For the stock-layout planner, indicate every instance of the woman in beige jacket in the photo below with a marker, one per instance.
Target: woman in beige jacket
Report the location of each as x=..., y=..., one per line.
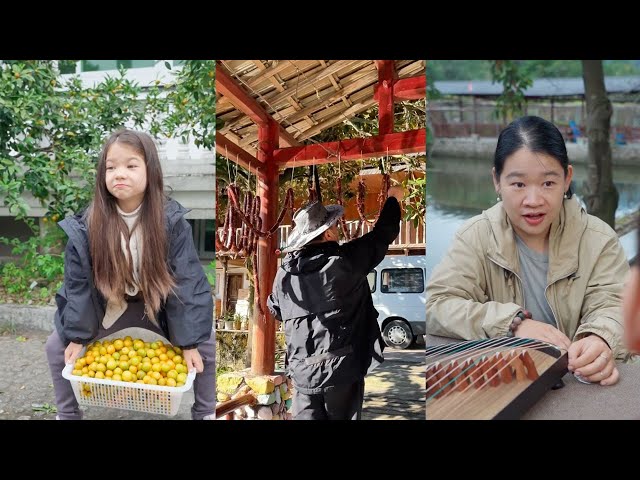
x=536, y=249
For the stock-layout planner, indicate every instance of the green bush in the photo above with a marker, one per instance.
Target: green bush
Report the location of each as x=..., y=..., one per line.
x=231, y=350
x=51, y=132
x=38, y=271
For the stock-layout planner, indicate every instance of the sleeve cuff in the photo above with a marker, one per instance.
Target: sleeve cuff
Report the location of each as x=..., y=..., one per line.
x=613, y=342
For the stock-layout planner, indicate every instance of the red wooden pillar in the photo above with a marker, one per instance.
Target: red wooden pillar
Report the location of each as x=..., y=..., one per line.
x=263, y=347
x=384, y=95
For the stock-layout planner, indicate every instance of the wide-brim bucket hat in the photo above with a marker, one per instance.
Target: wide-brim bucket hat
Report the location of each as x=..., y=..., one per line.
x=310, y=222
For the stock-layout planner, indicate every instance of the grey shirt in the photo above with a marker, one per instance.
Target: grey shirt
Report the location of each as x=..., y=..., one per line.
x=533, y=268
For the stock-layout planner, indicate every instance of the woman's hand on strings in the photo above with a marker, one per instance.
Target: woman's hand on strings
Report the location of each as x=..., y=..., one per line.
x=193, y=359
x=591, y=358
x=530, y=328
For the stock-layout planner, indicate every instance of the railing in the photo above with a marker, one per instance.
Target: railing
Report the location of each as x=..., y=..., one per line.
x=409, y=237
x=225, y=408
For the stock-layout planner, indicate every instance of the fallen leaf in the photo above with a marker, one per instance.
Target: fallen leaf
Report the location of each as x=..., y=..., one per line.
x=44, y=408
x=21, y=338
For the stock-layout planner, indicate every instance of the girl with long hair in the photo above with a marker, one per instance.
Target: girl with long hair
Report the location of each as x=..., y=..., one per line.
x=130, y=261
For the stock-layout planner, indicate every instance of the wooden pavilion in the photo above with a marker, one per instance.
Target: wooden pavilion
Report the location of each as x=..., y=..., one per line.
x=272, y=108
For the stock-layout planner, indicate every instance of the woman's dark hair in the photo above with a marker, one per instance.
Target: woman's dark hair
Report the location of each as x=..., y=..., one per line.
x=537, y=135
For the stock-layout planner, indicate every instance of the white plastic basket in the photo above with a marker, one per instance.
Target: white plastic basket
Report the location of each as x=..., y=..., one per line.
x=126, y=395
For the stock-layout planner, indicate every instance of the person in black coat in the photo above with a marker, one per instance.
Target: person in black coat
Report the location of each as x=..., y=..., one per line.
x=322, y=295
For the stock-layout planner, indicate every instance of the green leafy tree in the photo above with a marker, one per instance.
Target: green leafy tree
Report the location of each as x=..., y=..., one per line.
x=550, y=68
x=573, y=68
x=621, y=67
x=190, y=108
x=438, y=70
x=51, y=132
x=514, y=82
x=458, y=70
x=52, y=128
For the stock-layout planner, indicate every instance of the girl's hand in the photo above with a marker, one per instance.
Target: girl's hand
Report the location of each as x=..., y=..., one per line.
x=530, y=328
x=72, y=352
x=193, y=359
x=591, y=358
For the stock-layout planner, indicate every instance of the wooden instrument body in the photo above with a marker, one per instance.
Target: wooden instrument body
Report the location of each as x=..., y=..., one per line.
x=485, y=395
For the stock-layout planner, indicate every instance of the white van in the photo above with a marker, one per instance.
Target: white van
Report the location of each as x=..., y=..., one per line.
x=398, y=287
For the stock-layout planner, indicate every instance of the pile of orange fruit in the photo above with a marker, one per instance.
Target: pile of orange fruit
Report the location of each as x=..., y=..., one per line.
x=135, y=361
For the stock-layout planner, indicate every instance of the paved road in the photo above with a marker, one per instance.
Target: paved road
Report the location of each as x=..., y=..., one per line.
x=25, y=381
x=395, y=390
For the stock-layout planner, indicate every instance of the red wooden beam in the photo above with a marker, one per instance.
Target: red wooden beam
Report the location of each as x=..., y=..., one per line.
x=410, y=88
x=228, y=87
x=384, y=95
x=234, y=152
x=412, y=141
x=263, y=340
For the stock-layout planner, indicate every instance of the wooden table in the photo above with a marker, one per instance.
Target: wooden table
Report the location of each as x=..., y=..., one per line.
x=579, y=401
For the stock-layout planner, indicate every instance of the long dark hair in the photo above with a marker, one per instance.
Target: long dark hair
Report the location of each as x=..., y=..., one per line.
x=111, y=271
x=536, y=134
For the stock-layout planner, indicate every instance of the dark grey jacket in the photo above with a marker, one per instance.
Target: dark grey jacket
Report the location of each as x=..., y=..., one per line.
x=322, y=295
x=186, y=317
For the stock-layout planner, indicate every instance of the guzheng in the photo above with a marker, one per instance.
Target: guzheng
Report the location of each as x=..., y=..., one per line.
x=497, y=378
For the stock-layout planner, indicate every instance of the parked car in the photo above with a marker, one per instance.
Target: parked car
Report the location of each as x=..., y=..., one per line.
x=398, y=286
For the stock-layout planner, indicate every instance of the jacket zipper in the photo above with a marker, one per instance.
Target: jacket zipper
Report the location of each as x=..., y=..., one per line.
x=516, y=275
x=549, y=303
x=555, y=319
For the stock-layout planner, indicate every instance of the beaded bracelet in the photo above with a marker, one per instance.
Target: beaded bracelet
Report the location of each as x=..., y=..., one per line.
x=521, y=316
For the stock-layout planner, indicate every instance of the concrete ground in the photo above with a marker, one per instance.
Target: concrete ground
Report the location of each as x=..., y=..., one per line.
x=394, y=391
x=26, y=392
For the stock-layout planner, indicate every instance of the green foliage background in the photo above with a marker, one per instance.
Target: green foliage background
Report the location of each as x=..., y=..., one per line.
x=52, y=128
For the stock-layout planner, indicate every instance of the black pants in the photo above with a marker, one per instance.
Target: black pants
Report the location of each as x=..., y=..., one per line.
x=339, y=402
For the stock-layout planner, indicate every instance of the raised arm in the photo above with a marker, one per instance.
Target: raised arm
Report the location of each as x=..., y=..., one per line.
x=369, y=250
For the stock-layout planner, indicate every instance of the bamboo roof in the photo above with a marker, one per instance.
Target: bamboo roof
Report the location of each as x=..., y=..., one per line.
x=305, y=96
